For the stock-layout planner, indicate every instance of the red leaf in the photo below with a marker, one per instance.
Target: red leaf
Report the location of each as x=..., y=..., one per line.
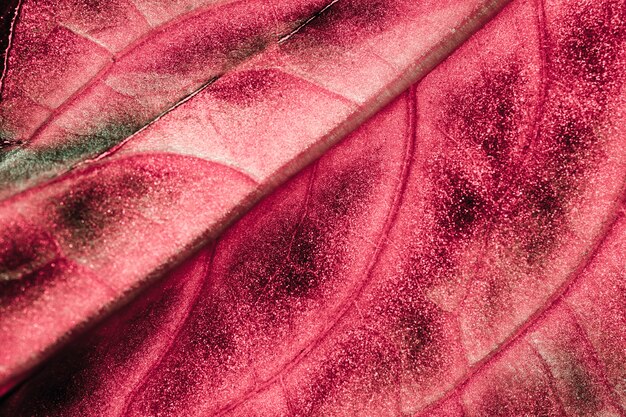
x=459, y=254
x=135, y=131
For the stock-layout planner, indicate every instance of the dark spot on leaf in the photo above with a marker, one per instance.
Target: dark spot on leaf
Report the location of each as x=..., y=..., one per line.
x=293, y=267
x=591, y=47
x=416, y=326
x=94, y=7
x=573, y=135
x=221, y=50
x=291, y=259
x=358, y=13
x=348, y=188
x=459, y=206
x=539, y=219
x=488, y=113
x=582, y=391
x=81, y=213
x=84, y=214
x=546, y=204
x=574, y=148
x=299, y=276
x=213, y=340
x=421, y=330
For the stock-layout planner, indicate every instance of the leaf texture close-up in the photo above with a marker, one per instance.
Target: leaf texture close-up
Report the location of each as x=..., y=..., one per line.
x=313, y=208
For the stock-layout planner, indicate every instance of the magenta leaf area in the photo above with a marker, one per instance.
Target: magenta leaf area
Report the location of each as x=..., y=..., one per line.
x=353, y=208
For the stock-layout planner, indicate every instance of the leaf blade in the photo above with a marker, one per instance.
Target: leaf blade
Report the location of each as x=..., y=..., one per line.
x=402, y=343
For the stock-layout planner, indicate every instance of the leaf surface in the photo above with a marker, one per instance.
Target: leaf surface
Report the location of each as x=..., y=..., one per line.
x=133, y=132
x=457, y=255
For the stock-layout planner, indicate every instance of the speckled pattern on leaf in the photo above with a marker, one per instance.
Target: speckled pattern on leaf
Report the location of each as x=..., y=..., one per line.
x=459, y=253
